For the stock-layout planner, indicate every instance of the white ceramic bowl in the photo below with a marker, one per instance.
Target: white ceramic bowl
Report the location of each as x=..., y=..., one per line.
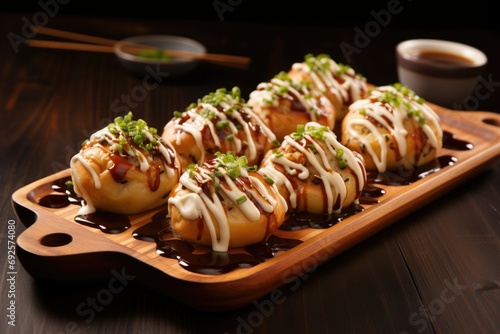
x=171, y=68
x=442, y=72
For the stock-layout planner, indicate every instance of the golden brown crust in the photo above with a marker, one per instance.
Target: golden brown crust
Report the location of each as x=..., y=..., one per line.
x=214, y=126
x=136, y=193
x=185, y=145
x=308, y=182
x=335, y=100
x=387, y=138
x=419, y=150
x=339, y=83
x=243, y=231
x=223, y=205
x=282, y=113
x=124, y=168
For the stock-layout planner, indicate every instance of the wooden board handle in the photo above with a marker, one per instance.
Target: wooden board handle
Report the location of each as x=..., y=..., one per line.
x=54, y=236
x=486, y=117
x=480, y=119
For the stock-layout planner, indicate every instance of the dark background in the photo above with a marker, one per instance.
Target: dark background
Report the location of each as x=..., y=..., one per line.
x=346, y=13
x=474, y=23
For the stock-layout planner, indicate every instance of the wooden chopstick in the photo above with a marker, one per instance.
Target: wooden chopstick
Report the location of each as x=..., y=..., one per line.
x=107, y=45
x=69, y=46
x=129, y=49
x=74, y=36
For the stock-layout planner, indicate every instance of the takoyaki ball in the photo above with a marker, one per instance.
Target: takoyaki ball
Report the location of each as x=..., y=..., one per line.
x=225, y=204
x=393, y=129
x=124, y=168
x=283, y=104
x=218, y=122
x=314, y=172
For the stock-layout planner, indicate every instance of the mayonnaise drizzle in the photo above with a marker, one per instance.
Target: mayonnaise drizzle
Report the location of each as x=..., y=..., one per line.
x=194, y=203
x=322, y=161
x=323, y=74
x=267, y=94
x=107, y=140
x=89, y=206
x=391, y=118
x=197, y=122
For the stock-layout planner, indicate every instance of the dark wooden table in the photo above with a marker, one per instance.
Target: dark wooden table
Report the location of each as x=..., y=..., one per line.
x=435, y=271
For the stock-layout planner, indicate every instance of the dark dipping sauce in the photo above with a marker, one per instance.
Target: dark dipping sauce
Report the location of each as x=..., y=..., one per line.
x=203, y=260
x=443, y=58
x=440, y=63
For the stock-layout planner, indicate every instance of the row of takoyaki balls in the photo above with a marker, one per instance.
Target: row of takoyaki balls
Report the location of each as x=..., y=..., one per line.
x=230, y=170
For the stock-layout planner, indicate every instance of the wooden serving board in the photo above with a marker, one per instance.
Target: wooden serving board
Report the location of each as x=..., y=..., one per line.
x=55, y=247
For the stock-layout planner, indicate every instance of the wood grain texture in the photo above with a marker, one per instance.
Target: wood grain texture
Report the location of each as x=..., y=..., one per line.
x=224, y=292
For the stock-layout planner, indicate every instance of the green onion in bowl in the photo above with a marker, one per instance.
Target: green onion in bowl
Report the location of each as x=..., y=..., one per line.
x=157, y=54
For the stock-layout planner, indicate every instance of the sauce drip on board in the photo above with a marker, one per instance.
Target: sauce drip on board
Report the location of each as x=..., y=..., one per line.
x=214, y=263
x=210, y=262
x=59, y=200
x=409, y=176
x=452, y=143
x=203, y=260
x=107, y=222
x=301, y=220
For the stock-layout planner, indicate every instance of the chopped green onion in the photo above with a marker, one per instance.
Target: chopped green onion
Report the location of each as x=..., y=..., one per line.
x=191, y=168
x=241, y=199
x=312, y=147
x=221, y=124
x=277, y=155
x=157, y=54
x=339, y=153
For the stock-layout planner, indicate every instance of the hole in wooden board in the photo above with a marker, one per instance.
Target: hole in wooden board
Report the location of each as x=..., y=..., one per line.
x=491, y=121
x=56, y=239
